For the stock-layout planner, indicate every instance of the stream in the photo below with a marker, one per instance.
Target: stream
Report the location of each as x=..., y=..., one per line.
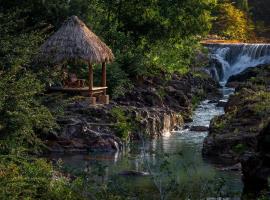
x=182, y=149
x=174, y=161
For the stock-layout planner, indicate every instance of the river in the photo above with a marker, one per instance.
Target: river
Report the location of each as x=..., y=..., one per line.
x=175, y=163
x=176, y=156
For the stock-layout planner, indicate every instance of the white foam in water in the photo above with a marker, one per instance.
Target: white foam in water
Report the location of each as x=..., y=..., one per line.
x=235, y=58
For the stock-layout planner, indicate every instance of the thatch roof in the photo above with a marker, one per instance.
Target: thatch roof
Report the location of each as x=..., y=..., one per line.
x=73, y=41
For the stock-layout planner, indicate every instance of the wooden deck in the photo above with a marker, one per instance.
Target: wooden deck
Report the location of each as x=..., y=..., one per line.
x=77, y=90
x=97, y=94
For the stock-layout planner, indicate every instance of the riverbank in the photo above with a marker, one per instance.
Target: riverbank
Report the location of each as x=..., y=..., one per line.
x=241, y=134
x=174, y=160
x=154, y=107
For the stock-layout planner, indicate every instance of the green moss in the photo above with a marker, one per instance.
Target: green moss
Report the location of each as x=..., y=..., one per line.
x=200, y=75
x=239, y=148
x=261, y=105
x=219, y=124
x=161, y=92
x=195, y=101
x=224, y=121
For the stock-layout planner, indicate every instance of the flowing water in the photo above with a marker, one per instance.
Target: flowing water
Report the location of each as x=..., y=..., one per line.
x=182, y=149
x=231, y=59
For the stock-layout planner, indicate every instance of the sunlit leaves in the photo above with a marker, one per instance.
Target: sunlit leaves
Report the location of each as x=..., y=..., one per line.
x=231, y=22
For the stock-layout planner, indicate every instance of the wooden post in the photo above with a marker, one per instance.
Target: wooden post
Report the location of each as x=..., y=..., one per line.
x=90, y=80
x=103, y=80
x=104, y=98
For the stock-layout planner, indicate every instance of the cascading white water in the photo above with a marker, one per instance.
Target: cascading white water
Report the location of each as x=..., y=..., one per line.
x=231, y=59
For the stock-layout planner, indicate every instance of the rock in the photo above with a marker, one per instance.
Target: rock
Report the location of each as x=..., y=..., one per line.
x=186, y=127
x=171, y=89
x=232, y=84
x=221, y=103
x=255, y=174
x=216, y=69
x=243, y=76
x=155, y=105
x=213, y=101
x=188, y=119
x=259, y=72
x=243, y=132
x=133, y=173
x=236, y=167
x=199, y=128
x=256, y=165
x=177, y=128
x=105, y=144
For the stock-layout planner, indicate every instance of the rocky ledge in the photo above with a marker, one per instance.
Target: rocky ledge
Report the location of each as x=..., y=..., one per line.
x=242, y=134
x=155, y=106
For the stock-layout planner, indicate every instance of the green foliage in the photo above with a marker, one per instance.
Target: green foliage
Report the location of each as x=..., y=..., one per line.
x=171, y=55
x=261, y=103
x=17, y=45
x=219, y=123
x=147, y=37
x=240, y=148
x=195, y=101
x=231, y=22
x=117, y=80
x=141, y=34
x=22, y=118
x=123, y=125
x=243, y=5
x=23, y=178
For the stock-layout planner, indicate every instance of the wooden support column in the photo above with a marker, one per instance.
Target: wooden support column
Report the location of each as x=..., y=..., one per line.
x=104, y=98
x=103, y=80
x=90, y=79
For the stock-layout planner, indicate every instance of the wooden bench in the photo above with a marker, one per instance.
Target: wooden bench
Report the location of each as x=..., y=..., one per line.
x=79, y=83
x=73, y=82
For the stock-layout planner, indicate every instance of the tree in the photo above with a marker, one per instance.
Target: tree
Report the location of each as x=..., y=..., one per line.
x=230, y=22
x=23, y=119
x=243, y=5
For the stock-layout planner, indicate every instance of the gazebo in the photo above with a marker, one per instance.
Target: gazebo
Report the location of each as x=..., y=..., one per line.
x=75, y=41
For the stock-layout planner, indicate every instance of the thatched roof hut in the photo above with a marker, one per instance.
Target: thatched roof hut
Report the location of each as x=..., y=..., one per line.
x=73, y=41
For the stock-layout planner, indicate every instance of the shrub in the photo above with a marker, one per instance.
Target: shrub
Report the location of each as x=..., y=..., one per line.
x=24, y=178
x=22, y=118
x=123, y=125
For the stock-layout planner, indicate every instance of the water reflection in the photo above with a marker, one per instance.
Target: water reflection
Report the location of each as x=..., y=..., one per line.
x=184, y=148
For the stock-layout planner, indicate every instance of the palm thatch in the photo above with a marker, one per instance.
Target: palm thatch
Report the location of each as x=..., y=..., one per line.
x=74, y=40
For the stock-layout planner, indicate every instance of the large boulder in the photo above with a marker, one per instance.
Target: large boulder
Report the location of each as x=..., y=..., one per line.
x=242, y=133
x=256, y=165
x=256, y=75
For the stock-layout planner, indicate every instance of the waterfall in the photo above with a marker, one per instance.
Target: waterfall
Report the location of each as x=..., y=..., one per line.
x=231, y=59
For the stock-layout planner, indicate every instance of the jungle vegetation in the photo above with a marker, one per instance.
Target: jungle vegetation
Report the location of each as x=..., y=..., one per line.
x=147, y=37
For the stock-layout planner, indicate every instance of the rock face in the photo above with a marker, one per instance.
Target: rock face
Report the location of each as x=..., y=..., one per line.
x=242, y=133
x=256, y=166
x=154, y=107
x=257, y=75
x=199, y=128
